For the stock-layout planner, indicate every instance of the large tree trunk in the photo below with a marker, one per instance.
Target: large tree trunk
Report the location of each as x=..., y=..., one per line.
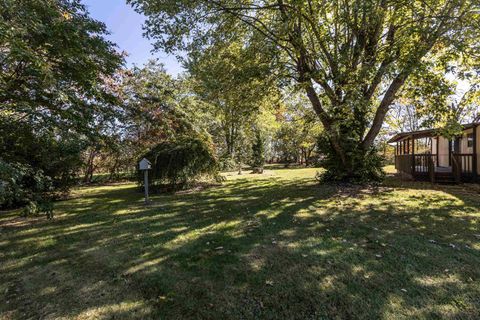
x=347, y=158
x=327, y=122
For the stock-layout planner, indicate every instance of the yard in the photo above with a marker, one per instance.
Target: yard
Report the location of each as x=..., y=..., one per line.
x=274, y=246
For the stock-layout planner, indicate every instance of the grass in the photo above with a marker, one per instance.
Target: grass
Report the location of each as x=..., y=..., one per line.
x=271, y=246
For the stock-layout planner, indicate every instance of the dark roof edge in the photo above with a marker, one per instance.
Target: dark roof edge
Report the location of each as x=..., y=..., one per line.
x=426, y=132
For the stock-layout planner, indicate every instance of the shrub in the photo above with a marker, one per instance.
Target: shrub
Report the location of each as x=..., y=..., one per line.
x=35, y=165
x=227, y=163
x=365, y=166
x=20, y=184
x=180, y=162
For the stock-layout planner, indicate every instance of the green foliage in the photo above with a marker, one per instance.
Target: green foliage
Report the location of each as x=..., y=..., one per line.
x=35, y=165
x=53, y=63
x=258, y=152
x=363, y=167
x=54, y=93
x=226, y=163
x=236, y=85
x=180, y=162
x=154, y=107
x=20, y=184
x=43, y=206
x=296, y=138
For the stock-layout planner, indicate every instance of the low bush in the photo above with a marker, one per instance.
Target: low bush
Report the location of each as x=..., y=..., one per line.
x=35, y=166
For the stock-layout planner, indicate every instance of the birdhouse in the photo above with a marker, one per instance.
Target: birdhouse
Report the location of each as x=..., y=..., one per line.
x=145, y=164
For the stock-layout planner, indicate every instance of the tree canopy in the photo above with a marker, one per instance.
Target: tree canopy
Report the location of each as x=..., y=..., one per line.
x=54, y=93
x=351, y=58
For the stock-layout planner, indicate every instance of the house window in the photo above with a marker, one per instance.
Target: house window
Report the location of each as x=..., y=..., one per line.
x=470, y=140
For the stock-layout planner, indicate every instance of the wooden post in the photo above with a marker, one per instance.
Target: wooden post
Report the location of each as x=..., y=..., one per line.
x=475, y=155
x=145, y=165
x=431, y=168
x=438, y=149
x=145, y=183
x=413, y=155
x=457, y=168
x=450, y=152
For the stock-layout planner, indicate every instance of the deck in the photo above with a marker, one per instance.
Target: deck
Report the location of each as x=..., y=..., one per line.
x=423, y=167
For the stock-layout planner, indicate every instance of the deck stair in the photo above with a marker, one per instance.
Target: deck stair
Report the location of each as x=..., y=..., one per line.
x=444, y=178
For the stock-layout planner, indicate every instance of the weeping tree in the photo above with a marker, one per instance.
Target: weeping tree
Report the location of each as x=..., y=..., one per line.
x=350, y=58
x=176, y=163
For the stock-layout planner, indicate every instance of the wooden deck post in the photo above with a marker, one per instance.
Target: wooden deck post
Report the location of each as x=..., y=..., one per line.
x=475, y=154
x=431, y=168
x=413, y=156
x=450, y=152
x=457, y=167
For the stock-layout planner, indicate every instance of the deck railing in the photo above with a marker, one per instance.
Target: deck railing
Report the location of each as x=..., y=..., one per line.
x=415, y=163
x=425, y=165
x=462, y=165
x=403, y=163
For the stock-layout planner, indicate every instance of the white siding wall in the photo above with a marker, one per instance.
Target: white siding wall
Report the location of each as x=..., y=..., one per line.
x=478, y=148
x=443, y=152
x=464, y=142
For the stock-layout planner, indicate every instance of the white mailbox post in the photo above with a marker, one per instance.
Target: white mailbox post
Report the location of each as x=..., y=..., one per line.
x=144, y=166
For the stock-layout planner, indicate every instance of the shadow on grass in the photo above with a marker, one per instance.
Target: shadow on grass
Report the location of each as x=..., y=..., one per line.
x=251, y=249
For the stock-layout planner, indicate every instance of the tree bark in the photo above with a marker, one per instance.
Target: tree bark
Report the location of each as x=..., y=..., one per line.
x=382, y=110
x=326, y=121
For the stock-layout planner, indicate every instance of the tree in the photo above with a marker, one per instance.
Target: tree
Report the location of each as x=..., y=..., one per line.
x=258, y=152
x=154, y=107
x=54, y=61
x=296, y=139
x=351, y=58
x=180, y=161
x=234, y=82
x=36, y=166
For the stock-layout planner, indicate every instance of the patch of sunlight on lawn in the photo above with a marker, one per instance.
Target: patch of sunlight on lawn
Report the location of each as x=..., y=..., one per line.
x=137, y=308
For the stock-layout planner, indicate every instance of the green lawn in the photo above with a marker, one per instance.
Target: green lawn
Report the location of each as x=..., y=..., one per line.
x=276, y=246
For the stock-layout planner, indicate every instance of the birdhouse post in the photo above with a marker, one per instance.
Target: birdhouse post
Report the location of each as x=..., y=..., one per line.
x=144, y=166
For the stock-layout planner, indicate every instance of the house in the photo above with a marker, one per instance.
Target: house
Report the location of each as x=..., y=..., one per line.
x=426, y=155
